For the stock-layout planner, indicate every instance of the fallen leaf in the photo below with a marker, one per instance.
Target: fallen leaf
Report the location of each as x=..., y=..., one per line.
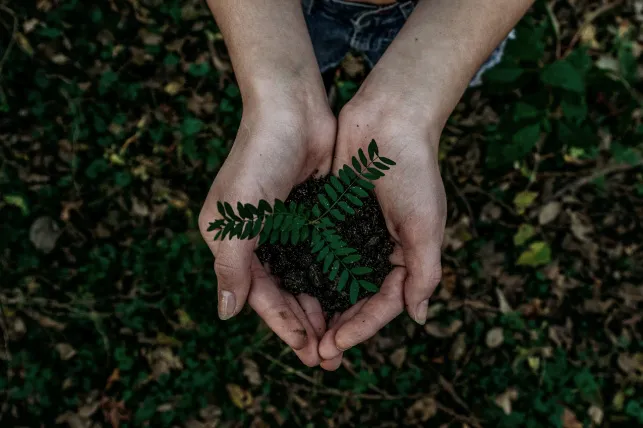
x=537, y=254
x=505, y=399
x=436, y=329
x=588, y=36
x=596, y=414
x=17, y=201
x=569, y=419
x=65, y=350
x=24, y=44
x=502, y=302
x=534, y=363
x=422, y=410
x=579, y=229
x=398, y=357
x=173, y=88
x=525, y=232
x=459, y=347
x=44, y=233
x=549, y=212
x=523, y=200
x=251, y=372
x=150, y=38
x=495, y=337
x=59, y=59
x=239, y=396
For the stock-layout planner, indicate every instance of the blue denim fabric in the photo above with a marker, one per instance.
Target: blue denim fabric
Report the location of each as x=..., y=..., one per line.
x=338, y=26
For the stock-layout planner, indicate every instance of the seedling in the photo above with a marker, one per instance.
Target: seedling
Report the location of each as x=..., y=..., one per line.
x=298, y=223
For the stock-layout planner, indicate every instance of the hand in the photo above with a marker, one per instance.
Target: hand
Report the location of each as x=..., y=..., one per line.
x=280, y=143
x=413, y=201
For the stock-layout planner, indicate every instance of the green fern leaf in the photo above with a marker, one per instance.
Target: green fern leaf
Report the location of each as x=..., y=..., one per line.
x=280, y=206
x=368, y=286
x=352, y=175
x=276, y=223
x=387, y=161
x=370, y=176
x=332, y=194
x=376, y=172
x=362, y=157
x=336, y=184
x=305, y=232
x=334, y=270
x=241, y=209
x=274, y=235
x=338, y=215
x=230, y=211
x=366, y=184
x=285, y=234
x=257, y=227
x=361, y=270
x=359, y=191
x=237, y=230
x=287, y=223
x=356, y=165
x=326, y=222
x=217, y=224
x=354, y=291
x=254, y=211
x=221, y=209
x=316, y=247
x=247, y=230
x=323, y=201
x=343, y=205
x=218, y=234
x=352, y=258
x=265, y=206
x=328, y=260
x=267, y=227
x=344, y=177
x=345, y=251
x=381, y=166
x=227, y=229
x=316, y=211
x=294, y=237
x=372, y=150
x=292, y=207
x=264, y=236
x=322, y=254
x=354, y=200
x=343, y=279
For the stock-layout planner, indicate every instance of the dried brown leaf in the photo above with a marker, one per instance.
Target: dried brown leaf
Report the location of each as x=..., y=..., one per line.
x=436, y=329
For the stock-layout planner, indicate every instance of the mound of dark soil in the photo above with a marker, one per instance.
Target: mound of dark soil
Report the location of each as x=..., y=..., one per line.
x=298, y=269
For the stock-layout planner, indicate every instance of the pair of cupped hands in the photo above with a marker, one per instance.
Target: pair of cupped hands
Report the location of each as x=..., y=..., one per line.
x=285, y=137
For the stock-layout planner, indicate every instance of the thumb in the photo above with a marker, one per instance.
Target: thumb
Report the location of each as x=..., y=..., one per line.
x=232, y=263
x=424, y=271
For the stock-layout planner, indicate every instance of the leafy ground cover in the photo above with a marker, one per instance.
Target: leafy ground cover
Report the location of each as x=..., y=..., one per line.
x=115, y=117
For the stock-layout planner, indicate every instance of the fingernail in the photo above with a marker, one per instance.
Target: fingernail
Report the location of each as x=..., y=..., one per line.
x=421, y=312
x=227, y=304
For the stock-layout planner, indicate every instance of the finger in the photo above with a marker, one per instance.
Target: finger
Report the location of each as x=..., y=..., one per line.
x=424, y=273
x=397, y=256
x=314, y=313
x=378, y=311
x=332, y=364
x=269, y=303
x=309, y=354
x=327, y=347
x=232, y=264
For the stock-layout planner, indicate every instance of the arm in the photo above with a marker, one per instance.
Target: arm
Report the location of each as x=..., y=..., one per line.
x=286, y=121
x=270, y=48
x=439, y=50
x=404, y=104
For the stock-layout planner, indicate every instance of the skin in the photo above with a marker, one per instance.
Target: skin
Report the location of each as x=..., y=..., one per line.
x=403, y=105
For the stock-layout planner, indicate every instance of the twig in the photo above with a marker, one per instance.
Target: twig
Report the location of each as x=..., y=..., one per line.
x=555, y=24
x=588, y=179
x=12, y=40
x=474, y=189
x=331, y=391
x=446, y=385
x=466, y=419
x=464, y=199
x=591, y=17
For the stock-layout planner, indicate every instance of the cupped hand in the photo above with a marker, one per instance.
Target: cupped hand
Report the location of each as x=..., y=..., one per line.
x=280, y=143
x=413, y=202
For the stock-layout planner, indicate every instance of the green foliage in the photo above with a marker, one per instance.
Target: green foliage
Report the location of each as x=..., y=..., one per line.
x=297, y=223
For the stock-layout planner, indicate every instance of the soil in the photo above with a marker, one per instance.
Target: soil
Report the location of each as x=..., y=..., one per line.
x=298, y=270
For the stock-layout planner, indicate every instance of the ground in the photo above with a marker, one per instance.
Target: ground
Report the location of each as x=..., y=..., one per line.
x=115, y=117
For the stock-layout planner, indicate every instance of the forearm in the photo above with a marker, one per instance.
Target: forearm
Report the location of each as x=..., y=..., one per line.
x=269, y=46
x=440, y=48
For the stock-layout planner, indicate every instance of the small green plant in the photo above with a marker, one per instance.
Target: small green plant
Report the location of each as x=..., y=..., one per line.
x=297, y=223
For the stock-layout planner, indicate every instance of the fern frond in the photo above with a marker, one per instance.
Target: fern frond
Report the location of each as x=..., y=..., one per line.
x=340, y=260
x=277, y=222
x=344, y=194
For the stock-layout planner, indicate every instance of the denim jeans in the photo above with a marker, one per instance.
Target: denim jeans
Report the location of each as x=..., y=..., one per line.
x=339, y=26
